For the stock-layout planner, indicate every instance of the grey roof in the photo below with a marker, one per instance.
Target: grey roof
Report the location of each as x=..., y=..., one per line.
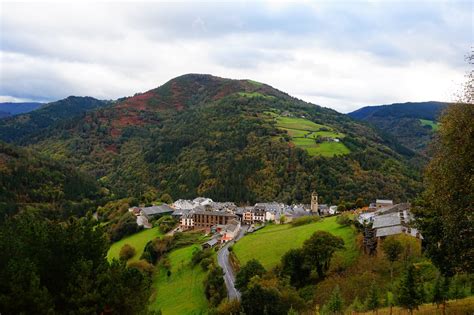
x=219, y=213
x=391, y=230
x=154, y=210
x=211, y=242
x=384, y=201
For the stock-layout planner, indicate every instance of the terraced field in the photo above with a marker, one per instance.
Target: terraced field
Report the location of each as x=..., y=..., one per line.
x=304, y=133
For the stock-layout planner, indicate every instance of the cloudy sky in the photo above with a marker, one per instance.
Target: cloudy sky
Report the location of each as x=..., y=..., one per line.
x=337, y=54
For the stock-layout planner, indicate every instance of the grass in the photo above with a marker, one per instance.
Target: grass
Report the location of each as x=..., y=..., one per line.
x=183, y=291
x=255, y=94
x=434, y=125
x=463, y=306
x=138, y=241
x=303, y=132
x=269, y=244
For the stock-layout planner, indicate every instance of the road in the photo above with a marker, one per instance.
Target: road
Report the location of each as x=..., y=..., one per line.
x=229, y=275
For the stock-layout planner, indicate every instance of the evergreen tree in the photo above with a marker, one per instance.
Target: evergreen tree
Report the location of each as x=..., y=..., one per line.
x=335, y=305
x=373, y=301
x=409, y=294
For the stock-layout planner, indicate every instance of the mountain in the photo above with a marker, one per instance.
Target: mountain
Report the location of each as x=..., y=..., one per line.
x=236, y=140
x=21, y=128
x=412, y=124
x=29, y=180
x=11, y=109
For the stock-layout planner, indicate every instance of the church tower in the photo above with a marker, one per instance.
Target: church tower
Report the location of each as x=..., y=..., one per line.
x=314, y=202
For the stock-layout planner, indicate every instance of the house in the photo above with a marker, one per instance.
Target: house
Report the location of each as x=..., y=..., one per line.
x=155, y=211
x=187, y=221
x=382, y=203
x=255, y=214
x=230, y=231
x=211, y=243
x=323, y=209
x=332, y=210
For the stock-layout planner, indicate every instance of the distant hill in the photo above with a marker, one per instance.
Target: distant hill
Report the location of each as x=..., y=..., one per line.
x=237, y=140
x=29, y=180
x=411, y=124
x=22, y=127
x=11, y=109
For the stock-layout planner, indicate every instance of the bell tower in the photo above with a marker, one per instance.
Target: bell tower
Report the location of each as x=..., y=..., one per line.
x=314, y=202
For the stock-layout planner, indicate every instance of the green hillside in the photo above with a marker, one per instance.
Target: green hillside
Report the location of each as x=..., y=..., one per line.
x=183, y=291
x=137, y=241
x=269, y=244
x=434, y=125
x=204, y=135
x=315, y=138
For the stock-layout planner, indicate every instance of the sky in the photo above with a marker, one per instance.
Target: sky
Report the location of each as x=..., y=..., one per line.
x=337, y=54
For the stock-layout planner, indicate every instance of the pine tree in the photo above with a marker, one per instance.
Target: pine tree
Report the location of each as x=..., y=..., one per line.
x=335, y=303
x=373, y=302
x=409, y=295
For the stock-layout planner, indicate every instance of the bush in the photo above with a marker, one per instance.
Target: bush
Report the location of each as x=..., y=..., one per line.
x=199, y=255
x=344, y=219
x=166, y=223
x=304, y=220
x=143, y=266
x=206, y=263
x=127, y=252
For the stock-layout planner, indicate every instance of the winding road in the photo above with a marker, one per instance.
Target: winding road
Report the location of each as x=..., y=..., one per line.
x=223, y=260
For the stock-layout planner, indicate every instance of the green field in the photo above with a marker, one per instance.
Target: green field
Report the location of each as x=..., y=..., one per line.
x=434, y=125
x=303, y=133
x=183, y=291
x=269, y=244
x=138, y=241
x=254, y=94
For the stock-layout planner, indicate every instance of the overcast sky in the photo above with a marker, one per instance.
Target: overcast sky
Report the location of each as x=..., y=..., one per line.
x=340, y=54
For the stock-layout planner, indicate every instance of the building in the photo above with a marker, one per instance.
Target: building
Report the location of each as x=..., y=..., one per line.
x=382, y=203
x=155, y=211
x=314, y=203
x=204, y=219
x=211, y=243
x=187, y=221
x=230, y=231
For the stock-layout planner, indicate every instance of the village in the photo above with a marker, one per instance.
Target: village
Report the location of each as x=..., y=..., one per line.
x=223, y=221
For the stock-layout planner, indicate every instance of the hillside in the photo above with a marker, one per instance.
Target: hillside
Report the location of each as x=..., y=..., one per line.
x=204, y=135
x=21, y=128
x=11, y=109
x=412, y=124
x=31, y=181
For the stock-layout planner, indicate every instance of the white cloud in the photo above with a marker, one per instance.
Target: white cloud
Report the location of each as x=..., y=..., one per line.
x=341, y=55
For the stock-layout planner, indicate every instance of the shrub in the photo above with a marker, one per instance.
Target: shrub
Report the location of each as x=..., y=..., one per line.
x=127, y=252
x=143, y=266
x=206, y=262
x=199, y=255
x=304, y=220
x=344, y=219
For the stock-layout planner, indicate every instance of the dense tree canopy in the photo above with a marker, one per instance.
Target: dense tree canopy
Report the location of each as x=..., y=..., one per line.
x=59, y=268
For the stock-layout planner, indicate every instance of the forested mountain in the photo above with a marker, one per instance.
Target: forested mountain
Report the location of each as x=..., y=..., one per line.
x=228, y=139
x=31, y=181
x=21, y=128
x=10, y=109
x=412, y=124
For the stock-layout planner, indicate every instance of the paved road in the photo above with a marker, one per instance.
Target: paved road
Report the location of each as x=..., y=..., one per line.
x=229, y=275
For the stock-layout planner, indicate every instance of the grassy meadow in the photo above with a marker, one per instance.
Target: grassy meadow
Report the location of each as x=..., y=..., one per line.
x=303, y=133
x=183, y=291
x=138, y=241
x=269, y=244
x=434, y=125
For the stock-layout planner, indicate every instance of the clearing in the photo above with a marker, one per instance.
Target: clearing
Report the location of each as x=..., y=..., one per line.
x=138, y=241
x=183, y=291
x=303, y=134
x=269, y=244
x=434, y=125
